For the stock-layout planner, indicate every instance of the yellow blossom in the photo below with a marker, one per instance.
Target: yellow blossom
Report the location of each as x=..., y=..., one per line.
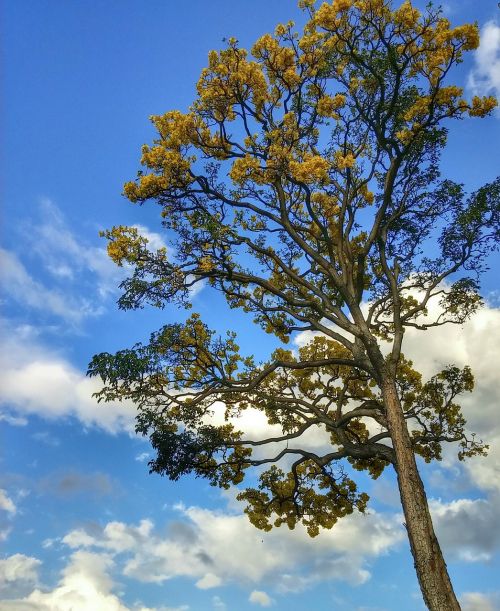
x=344, y=161
x=327, y=105
x=404, y=135
x=482, y=106
x=326, y=17
x=307, y=3
x=246, y=168
x=206, y=264
x=125, y=244
x=328, y=203
x=342, y=5
x=406, y=15
x=313, y=168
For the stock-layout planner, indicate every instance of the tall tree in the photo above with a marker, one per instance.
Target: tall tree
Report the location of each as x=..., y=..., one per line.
x=304, y=185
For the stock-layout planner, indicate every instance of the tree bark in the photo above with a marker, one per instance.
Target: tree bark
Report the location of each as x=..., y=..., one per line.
x=430, y=566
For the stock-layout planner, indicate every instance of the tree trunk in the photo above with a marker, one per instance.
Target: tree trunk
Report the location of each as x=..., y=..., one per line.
x=430, y=566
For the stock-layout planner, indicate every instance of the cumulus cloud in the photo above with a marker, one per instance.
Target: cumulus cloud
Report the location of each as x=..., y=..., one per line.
x=196, y=547
x=477, y=522
x=6, y=503
x=477, y=601
x=259, y=597
x=484, y=78
x=17, y=573
x=85, y=584
x=36, y=380
x=476, y=343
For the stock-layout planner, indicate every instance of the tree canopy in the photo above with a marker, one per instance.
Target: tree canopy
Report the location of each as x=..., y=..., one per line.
x=304, y=185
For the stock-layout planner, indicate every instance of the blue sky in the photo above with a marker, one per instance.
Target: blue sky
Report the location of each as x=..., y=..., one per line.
x=82, y=524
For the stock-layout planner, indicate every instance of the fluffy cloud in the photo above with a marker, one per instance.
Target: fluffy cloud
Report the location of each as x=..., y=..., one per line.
x=196, y=547
x=477, y=522
x=18, y=567
x=85, y=584
x=476, y=601
x=17, y=573
x=35, y=380
x=6, y=503
x=259, y=597
x=484, y=79
x=476, y=344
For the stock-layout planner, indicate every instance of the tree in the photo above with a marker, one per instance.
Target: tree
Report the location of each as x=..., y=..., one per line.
x=304, y=185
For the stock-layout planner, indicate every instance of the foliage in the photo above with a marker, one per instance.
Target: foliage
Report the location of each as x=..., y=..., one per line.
x=304, y=185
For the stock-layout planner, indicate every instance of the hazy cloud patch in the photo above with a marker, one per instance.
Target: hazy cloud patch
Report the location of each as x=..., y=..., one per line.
x=484, y=78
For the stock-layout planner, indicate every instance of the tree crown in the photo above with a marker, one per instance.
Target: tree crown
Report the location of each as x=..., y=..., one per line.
x=304, y=185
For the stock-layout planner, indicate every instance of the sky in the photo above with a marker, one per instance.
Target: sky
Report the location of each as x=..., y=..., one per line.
x=83, y=525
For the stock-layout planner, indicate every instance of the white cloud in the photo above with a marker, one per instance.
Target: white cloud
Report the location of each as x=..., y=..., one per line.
x=19, y=285
x=35, y=380
x=143, y=456
x=18, y=571
x=477, y=522
x=6, y=503
x=476, y=344
x=83, y=276
x=196, y=547
x=476, y=601
x=67, y=257
x=484, y=78
x=209, y=580
x=259, y=597
x=85, y=584
x=155, y=240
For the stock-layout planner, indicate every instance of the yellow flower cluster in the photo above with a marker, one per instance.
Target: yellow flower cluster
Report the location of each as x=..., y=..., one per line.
x=448, y=98
x=279, y=61
x=406, y=16
x=283, y=141
x=229, y=78
x=404, y=135
x=148, y=186
x=482, y=106
x=342, y=5
x=367, y=195
x=125, y=244
x=206, y=264
x=246, y=168
x=344, y=161
x=178, y=129
x=174, y=168
x=328, y=203
x=326, y=17
x=313, y=169
x=328, y=105
x=378, y=8
x=442, y=44
x=418, y=109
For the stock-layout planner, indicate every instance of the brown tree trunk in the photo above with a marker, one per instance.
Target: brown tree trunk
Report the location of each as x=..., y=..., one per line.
x=430, y=566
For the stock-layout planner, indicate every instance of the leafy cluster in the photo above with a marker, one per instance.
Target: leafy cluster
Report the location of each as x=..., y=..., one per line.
x=304, y=185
